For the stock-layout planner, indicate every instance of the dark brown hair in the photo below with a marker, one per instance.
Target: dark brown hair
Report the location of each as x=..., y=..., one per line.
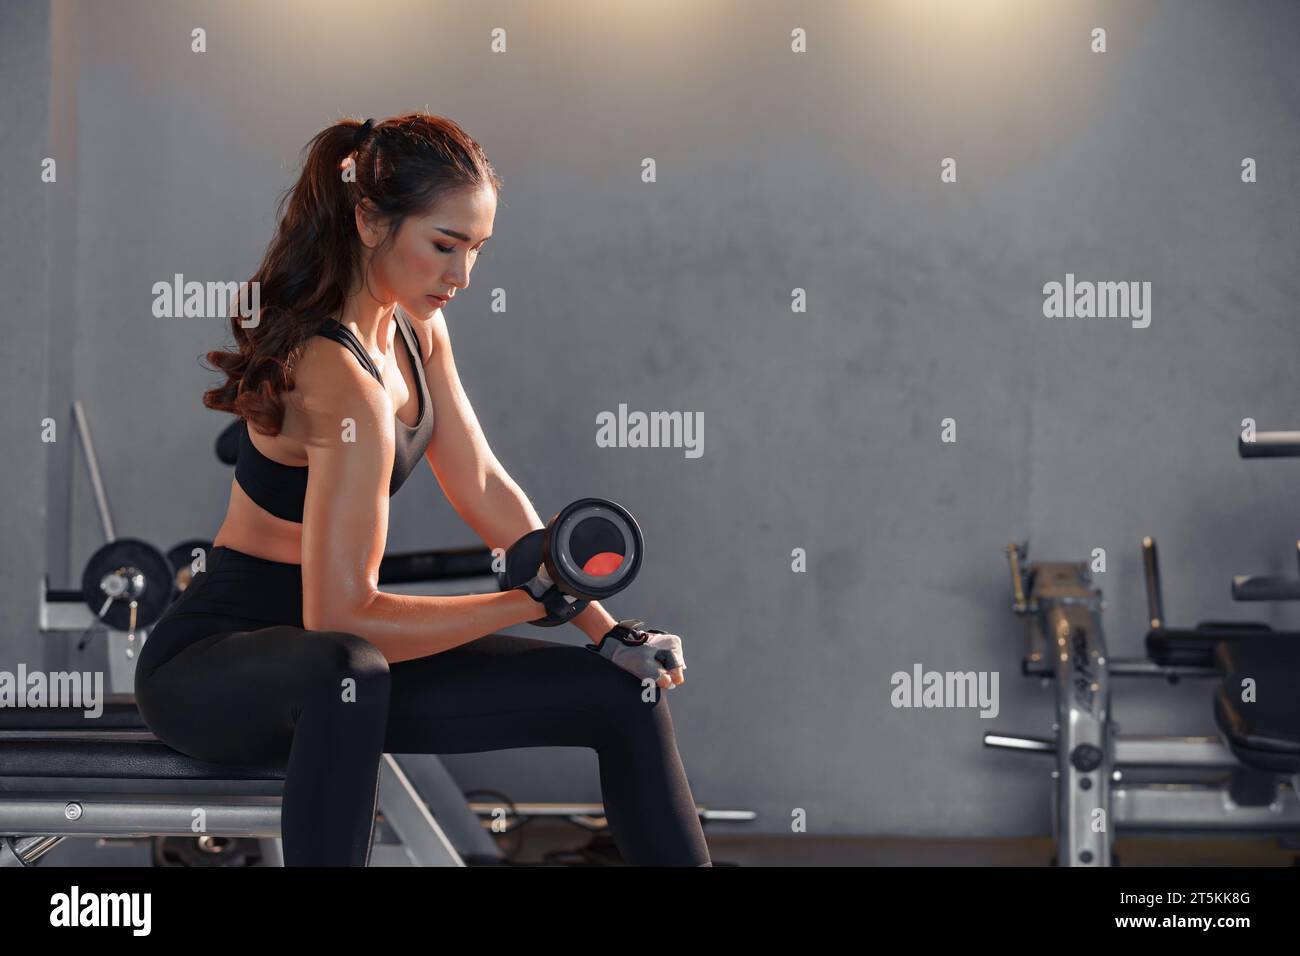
x=403, y=167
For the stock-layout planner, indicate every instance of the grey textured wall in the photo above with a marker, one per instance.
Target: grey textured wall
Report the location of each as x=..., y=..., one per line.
x=25, y=273
x=776, y=170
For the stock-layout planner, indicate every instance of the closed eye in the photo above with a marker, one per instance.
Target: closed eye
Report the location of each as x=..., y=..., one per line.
x=451, y=249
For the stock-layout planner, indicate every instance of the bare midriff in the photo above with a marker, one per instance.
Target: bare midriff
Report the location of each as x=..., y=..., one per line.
x=249, y=529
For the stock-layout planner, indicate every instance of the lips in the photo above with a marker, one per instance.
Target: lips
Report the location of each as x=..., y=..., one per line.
x=440, y=299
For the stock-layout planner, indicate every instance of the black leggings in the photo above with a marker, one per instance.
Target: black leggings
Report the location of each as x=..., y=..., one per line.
x=229, y=675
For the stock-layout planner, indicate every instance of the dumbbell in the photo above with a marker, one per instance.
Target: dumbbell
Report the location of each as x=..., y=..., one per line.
x=591, y=549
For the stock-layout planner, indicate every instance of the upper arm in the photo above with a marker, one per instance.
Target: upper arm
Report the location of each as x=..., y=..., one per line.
x=348, y=425
x=459, y=453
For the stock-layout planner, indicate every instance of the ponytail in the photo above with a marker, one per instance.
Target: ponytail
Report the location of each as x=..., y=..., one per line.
x=402, y=166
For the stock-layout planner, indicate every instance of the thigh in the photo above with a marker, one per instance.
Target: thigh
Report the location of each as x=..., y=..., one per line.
x=500, y=692
x=235, y=696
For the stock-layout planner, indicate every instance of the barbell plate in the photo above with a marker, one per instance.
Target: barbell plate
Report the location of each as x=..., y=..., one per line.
x=181, y=557
x=129, y=553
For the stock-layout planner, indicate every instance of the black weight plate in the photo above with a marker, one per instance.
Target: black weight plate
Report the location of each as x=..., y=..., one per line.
x=568, y=546
x=228, y=443
x=523, y=558
x=181, y=557
x=206, y=851
x=131, y=553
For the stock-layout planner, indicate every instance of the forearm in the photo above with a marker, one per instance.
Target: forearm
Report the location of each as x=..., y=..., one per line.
x=503, y=515
x=403, y=627
x=594, y=621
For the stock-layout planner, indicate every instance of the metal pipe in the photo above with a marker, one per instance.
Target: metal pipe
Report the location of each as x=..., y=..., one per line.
x=24, y=851
x=92, y=465
x=1151, y=569
x=1040, y=745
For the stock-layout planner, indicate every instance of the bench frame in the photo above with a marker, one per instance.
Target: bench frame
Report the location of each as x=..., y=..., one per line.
x=418, y=800
x=38, y=813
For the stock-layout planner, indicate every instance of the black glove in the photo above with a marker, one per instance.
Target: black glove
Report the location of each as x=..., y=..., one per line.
x=560, y=607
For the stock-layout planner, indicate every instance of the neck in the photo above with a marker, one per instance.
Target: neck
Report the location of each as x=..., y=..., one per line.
x=370, y=321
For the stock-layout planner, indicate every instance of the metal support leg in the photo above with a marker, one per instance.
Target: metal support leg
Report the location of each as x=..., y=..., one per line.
x=422, y=838
x=25, y=851
x=1070, y=623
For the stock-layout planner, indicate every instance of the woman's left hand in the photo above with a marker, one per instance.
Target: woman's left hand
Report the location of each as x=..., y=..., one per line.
x=658, y=658
x=675, y=675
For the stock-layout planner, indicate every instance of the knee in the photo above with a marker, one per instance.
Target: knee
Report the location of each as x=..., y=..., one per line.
x=349, y=658
x=628, y=705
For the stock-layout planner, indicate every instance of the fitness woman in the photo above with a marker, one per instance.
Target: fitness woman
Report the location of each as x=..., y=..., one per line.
x=282, y=649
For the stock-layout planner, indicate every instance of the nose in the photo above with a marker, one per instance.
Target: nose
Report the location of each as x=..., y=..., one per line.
x=458, y=274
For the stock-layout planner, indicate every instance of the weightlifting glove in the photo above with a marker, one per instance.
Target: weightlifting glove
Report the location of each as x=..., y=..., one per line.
x=560, y=607
x=641, y=651
x=538, y=585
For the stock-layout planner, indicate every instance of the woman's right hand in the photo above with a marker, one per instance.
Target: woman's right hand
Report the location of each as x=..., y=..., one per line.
x=540, y=583
x=556, y=606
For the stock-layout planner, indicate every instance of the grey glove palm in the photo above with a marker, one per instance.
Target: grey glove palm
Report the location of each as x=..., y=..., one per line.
x=661, y=652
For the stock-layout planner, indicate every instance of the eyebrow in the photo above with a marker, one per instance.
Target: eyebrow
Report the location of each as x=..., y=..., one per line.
x=460, y=235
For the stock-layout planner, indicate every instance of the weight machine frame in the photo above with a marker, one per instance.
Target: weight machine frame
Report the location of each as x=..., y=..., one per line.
x=1092, y=797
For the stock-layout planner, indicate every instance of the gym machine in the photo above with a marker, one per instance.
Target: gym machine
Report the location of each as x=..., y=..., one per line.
x=1264, y=587
x=1107, y=783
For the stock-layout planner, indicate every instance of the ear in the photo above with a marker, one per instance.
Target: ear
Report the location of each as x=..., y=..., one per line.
x=369, y=223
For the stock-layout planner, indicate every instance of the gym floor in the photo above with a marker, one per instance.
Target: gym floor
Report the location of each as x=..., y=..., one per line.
x=530, y=844
x=748, y=850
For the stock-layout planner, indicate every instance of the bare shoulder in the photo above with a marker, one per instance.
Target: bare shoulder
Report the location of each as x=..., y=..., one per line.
x=331, y=385
x=431, y=334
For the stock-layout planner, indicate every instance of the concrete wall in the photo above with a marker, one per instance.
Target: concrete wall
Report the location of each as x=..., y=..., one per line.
x=822, y=429
x=26, y=254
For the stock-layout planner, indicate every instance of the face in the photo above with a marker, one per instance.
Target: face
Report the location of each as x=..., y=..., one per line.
x=432, y=256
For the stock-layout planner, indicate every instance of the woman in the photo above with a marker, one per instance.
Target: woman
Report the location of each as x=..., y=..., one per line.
x=283, y=649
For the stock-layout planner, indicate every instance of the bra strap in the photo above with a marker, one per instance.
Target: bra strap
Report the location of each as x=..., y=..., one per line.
x=343, y=335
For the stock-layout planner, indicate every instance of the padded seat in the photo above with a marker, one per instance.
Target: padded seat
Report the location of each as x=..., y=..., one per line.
x=1265, y=733
x=1194, y=647
x=63, y=742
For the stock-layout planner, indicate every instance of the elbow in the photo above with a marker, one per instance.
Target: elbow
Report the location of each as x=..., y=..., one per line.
x=340, y=610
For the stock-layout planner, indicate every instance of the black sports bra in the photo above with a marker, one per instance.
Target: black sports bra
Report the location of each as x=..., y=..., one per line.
x=282, y=489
